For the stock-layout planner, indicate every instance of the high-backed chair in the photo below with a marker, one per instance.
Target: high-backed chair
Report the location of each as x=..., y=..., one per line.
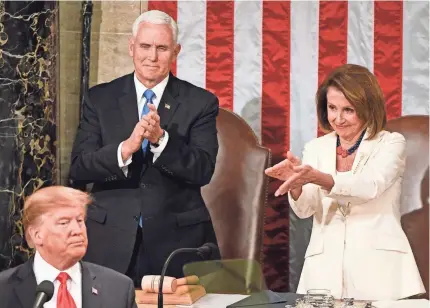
x=237, y=194
x=415, y=191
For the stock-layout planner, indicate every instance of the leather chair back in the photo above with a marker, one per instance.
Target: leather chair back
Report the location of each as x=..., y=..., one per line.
x=415, y=190
x=237, y=194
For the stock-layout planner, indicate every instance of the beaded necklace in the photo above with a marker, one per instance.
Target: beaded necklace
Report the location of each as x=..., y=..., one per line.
x=344, y=153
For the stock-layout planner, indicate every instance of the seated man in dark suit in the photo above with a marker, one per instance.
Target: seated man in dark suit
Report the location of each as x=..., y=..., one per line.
x=54, y=222
x=147, y=142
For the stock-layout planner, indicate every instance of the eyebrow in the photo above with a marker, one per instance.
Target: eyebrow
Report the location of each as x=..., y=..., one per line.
x=70, y=217
x=149, y=44
x=347, y=107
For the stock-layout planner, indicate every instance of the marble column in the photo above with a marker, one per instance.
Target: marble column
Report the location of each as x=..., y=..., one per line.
x=87, y=11
x=28, y=94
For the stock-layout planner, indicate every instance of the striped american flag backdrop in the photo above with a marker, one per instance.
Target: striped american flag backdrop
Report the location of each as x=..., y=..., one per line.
x=265, y=60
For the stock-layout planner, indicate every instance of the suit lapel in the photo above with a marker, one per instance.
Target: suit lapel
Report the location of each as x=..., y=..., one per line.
x=169, y=102
x=91, y=289
x=26, y=286
x=364, y=151
x=330, y=154
x=128, y=105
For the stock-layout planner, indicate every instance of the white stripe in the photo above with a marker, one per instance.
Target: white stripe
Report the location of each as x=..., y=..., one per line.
x=415, y=83
x=191, y=63
x=304, y=73
x=248, y=62
x=360, y=33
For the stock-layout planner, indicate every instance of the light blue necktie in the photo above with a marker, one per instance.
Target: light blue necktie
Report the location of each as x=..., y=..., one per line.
x=149, y=95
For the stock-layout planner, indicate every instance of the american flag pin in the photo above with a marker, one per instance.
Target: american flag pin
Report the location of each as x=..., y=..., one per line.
x=94, y=291
x=167, y=106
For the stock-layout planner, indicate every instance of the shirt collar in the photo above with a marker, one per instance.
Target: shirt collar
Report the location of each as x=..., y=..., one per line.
x=45, y=271
x=158, y=89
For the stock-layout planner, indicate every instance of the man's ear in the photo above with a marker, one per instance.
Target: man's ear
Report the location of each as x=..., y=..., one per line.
x=177, y=49
x=35, y=236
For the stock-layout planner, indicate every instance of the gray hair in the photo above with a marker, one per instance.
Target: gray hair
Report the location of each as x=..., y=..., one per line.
x=158, y=18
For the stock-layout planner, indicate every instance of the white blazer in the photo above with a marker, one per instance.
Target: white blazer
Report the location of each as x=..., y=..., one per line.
x=366, y=240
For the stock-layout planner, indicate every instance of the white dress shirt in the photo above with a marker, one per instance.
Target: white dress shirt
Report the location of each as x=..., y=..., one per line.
x=45, y=271
x=140, y=89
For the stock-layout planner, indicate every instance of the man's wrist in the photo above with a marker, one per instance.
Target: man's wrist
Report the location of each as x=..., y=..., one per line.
x=160, y=139
x=125, y=152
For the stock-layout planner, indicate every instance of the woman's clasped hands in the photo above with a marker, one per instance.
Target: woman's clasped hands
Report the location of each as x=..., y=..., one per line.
x=292, y=172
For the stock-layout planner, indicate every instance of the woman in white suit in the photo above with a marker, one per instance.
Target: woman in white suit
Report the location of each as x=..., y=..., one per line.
x=350, y=182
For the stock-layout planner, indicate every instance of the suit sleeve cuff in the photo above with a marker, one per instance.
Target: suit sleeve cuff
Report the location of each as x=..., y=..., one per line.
x=341, y=187
x=158, y=150
x=123, y=165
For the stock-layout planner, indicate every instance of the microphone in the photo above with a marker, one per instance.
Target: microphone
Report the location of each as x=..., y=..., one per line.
x=44, y=292
x=206, y=251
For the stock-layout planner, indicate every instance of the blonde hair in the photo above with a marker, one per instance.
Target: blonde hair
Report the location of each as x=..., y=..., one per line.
x=46, y=199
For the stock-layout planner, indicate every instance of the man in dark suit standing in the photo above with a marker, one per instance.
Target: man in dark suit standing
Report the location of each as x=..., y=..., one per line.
x=54, y=222
x=148, y=143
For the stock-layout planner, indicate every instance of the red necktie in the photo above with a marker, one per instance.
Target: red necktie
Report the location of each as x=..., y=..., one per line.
x=64, y=298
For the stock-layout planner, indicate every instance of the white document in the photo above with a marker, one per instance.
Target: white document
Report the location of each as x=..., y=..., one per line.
x=215, y=301
x=407, y=303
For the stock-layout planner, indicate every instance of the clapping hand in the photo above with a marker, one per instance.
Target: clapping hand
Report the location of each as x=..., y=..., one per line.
x=151, y=124
x=302, y=175
x=147, y=128
x=292, y=172
x=284, y=170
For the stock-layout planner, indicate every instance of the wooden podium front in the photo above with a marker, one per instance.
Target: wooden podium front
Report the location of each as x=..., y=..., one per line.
x=184, y=295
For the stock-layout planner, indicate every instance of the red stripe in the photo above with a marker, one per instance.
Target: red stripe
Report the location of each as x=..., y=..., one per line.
x=275, y=116
x=169, y=7
x=388, y=53
x=220, y=50
x=276, y=77
x=333, y=34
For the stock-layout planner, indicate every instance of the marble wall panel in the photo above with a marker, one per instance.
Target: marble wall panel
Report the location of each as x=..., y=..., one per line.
x=109, y=57
x=69, y=88
x=115, y=16
x=28, y=130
